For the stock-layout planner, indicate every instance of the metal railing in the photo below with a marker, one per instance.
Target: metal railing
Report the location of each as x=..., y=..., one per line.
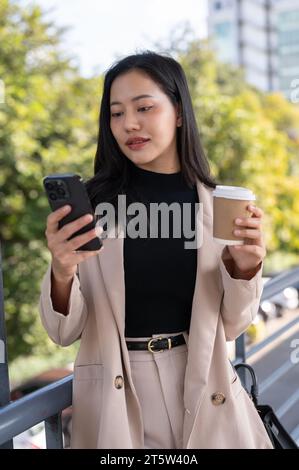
x=47, y=403
x=272, y=287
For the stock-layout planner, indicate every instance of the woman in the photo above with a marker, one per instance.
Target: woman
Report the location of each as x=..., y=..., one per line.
x=131, y=389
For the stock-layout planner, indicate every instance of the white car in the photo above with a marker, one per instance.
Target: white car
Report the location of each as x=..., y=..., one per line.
x=286, y=299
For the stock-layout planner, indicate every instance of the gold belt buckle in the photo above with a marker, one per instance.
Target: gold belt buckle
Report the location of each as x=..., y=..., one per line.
x=149, y=344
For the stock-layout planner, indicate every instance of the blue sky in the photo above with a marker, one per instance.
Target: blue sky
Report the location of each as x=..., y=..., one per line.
x=102, y=30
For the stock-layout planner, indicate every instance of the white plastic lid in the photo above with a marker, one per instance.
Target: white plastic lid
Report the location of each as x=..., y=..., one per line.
x=234, y=192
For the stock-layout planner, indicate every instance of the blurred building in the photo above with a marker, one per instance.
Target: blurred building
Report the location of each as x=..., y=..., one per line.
x=262, y=36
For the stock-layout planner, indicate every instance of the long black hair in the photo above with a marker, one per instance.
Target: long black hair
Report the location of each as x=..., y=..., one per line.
x=111, y=167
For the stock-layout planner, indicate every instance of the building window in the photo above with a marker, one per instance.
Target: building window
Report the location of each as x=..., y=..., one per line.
x=222, y=4
x=223, y=30
x=288, y=38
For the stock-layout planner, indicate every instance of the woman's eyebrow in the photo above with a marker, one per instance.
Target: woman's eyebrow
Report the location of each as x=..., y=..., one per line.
x=133, y=99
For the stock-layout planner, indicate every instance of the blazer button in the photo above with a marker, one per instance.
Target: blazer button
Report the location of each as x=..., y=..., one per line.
x=119, y=382
x=218, y=398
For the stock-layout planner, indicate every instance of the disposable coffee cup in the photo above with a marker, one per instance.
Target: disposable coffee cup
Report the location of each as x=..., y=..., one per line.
x=229, y=203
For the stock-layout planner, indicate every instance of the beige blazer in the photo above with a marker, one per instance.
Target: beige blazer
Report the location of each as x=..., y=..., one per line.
x=106, y=410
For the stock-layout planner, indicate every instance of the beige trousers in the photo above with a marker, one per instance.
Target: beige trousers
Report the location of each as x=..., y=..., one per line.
x=159, y=381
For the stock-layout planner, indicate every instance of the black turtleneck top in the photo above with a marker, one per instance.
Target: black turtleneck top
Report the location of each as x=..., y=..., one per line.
x=159, y=272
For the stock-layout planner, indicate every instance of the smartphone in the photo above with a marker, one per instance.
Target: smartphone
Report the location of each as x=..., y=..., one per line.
x=68, y=188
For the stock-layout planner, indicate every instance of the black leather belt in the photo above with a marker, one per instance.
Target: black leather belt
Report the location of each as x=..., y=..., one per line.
x=156, y=344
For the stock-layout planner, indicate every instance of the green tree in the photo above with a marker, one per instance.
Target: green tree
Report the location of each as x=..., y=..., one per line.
x=251, y=139
x=48, y=125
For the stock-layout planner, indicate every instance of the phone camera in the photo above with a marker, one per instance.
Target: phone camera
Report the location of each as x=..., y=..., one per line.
x=49, y=186
x=57, y=190
x=60, y=191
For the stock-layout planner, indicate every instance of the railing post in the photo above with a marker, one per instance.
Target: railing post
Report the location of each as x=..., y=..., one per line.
x=53, y=430
x=240, y=348
x=4, y=380
x=241, y=357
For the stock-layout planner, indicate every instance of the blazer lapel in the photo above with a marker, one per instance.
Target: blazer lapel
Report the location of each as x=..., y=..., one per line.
x=112, y=266
x=204, y=315
x=111, y=261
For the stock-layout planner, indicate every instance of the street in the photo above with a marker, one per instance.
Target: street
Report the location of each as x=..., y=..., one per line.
x=277, y=369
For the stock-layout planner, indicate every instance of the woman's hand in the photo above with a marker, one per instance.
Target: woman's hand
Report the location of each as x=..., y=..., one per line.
x=248, y=257
x=64, y=256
